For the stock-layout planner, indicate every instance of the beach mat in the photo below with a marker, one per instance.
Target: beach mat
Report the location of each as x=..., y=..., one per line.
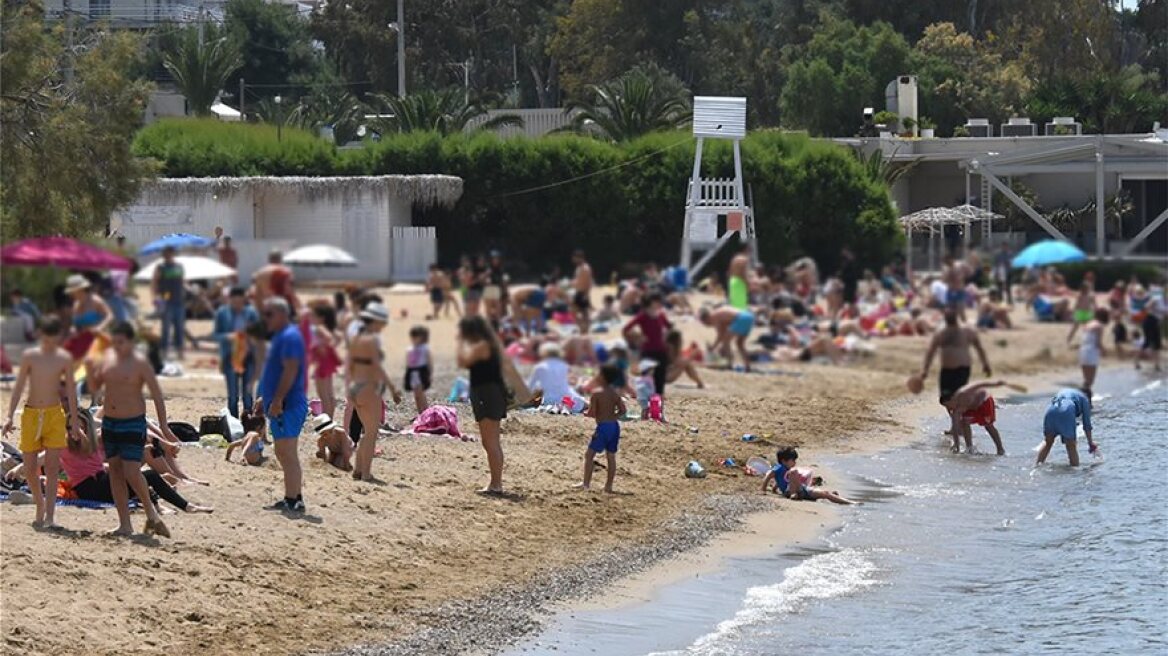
x=79, y=503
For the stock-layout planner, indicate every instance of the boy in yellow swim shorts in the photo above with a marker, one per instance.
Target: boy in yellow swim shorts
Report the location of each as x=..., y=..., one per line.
x=43, y=369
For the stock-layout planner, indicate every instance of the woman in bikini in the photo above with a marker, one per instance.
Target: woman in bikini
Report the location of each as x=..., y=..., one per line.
x=91, y=315
x=367, y=382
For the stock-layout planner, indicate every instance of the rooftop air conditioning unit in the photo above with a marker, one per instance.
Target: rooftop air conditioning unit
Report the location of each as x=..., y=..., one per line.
x=1061, y=125
x=979, y=127
x=1019, y=127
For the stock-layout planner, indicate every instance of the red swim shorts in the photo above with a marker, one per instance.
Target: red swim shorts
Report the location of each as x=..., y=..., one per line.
x=983, y=415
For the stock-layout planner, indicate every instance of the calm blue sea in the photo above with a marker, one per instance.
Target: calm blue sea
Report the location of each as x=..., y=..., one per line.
x=949, y=554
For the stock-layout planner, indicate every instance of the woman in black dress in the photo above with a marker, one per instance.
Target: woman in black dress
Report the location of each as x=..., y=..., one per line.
x=480, y=352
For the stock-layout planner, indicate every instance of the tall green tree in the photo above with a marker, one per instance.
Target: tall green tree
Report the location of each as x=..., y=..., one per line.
x=274, y=44
x=65, y=160
x=645, y=99
x=201, y=68
x=840, y=71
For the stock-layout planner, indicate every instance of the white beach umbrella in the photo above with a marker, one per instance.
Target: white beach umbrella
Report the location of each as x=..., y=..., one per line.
x=320, y=255
x=195, y=267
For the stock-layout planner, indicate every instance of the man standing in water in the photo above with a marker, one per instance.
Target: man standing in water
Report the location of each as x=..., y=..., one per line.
x=954, y=342
x=1061, y=420
x=582, y=300
x=123, y=374
x=284, y=401
x=737, y=288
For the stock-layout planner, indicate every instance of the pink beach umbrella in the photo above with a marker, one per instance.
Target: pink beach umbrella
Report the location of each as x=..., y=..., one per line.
x=61, y=252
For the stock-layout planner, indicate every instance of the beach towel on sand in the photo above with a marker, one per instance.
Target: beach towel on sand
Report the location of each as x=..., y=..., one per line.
x=437, y=420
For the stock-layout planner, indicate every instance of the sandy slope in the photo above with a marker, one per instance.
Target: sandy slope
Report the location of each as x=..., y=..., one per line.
x=247, y=580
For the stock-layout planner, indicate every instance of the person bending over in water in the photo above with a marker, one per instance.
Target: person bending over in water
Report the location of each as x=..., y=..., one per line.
x=255, y=435
x=973, y=404
x=798, y=483
x=1061, y=420
x=606, y=408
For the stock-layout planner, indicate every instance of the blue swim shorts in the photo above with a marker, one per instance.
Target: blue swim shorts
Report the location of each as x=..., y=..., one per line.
x=287, y=426
x=742, y=324
x=1060, y=420
x=606, y=438
x=124, y=437
x=955, y=297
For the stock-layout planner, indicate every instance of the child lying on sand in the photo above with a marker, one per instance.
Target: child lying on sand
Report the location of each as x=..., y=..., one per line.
x=798, y=483
x=333, y=444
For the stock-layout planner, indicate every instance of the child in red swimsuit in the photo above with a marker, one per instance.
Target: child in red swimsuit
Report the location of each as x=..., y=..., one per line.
x=973, y=404
x=323, y=354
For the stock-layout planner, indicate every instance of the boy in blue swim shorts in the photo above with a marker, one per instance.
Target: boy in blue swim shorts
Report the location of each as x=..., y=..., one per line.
x=606, y=407
x=1061, y=420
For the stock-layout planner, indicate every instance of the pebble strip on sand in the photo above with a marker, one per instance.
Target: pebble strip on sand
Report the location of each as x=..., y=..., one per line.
x=489, y=623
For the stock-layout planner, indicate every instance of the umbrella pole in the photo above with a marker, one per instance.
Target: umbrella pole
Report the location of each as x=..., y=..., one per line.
x=908, y=267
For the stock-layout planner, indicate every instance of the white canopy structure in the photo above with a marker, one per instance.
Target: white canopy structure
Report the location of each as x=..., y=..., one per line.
x=934, y=219
x=195, y=267
x=320, y=255
x=225, y=112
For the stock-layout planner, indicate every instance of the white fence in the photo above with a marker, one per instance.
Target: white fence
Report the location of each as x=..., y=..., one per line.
x=715, y=192
x=414, y=250
x=536, y=122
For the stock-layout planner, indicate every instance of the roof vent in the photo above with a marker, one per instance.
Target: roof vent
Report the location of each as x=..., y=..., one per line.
x=1019, y=127
x=1063, y=125
x=979, y=127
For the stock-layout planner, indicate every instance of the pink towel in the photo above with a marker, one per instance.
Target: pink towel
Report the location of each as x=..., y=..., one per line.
x=437, y=420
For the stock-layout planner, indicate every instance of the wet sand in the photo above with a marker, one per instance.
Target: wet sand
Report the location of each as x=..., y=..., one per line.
x=372, y=563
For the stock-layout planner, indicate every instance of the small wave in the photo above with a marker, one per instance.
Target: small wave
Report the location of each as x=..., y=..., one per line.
x=829, y=575
x=1146, y=388
x=929, y=490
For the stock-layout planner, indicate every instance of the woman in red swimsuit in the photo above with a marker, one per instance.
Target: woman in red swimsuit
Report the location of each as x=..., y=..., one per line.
x=326, y=361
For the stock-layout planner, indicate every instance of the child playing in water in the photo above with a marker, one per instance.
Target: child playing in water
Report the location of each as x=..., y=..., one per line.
x=42, y=422
x=972, y=404
x=332, y=444
x=419, y=368
x=255, y=435
x=606, y=407
x=1061, y=420
x=798, y=483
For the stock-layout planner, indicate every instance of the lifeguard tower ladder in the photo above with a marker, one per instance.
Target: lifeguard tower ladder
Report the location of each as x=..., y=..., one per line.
x=708, y=200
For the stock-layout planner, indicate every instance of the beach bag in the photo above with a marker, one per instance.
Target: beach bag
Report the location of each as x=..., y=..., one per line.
x=183, y=431
x=213, y=425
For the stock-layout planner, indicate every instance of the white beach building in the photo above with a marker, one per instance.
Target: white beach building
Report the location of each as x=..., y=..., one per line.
x=368, y=216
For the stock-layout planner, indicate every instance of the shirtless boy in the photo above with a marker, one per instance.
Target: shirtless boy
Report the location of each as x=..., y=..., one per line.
x=973, y=404
x=731, y=324
x=605, y=407
x=954, y=341
x=42, y=422
x=333, y=444
x=123, y=374
x=582, y=299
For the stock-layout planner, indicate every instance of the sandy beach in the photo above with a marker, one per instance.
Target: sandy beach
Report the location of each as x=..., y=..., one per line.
x=376, y=564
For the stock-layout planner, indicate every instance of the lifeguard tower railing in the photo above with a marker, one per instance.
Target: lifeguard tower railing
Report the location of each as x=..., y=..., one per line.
x=715, y=192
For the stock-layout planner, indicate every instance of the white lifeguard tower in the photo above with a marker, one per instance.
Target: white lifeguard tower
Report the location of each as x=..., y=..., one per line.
x=710, y=201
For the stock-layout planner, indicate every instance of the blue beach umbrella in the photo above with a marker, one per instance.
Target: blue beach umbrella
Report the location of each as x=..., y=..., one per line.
x=1049, y=251
x=179, y=240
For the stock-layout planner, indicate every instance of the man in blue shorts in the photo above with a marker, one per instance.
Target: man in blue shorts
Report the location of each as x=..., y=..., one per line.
x=284, y=401
x=1061, y=420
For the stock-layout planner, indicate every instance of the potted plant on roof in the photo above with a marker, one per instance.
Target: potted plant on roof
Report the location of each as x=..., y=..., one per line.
x=886, y=122
x=928, y=127
x=907, y=123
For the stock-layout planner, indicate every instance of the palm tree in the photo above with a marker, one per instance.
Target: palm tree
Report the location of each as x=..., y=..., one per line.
x=444, y=112
x=642, y=100
x=339, y=110
x=201, y=69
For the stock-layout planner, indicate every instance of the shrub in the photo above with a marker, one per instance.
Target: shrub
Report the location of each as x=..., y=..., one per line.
x=538, y=199
x=1108, y=273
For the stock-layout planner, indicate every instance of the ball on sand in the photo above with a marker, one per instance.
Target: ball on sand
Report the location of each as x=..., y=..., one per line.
x=915, y=384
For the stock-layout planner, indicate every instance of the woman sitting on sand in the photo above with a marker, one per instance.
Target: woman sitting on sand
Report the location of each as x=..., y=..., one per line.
x=550, y=377
x=368, y=381
x=87, y=475
x=480, y=352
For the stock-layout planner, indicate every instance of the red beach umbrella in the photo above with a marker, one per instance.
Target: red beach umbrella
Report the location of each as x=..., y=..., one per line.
x=61, y=252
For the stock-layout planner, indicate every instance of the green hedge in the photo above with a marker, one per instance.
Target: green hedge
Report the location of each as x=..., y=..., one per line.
x=809, y=197
x=1108, y=273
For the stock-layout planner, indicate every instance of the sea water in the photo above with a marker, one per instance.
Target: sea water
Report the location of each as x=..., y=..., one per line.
x=949, y=554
